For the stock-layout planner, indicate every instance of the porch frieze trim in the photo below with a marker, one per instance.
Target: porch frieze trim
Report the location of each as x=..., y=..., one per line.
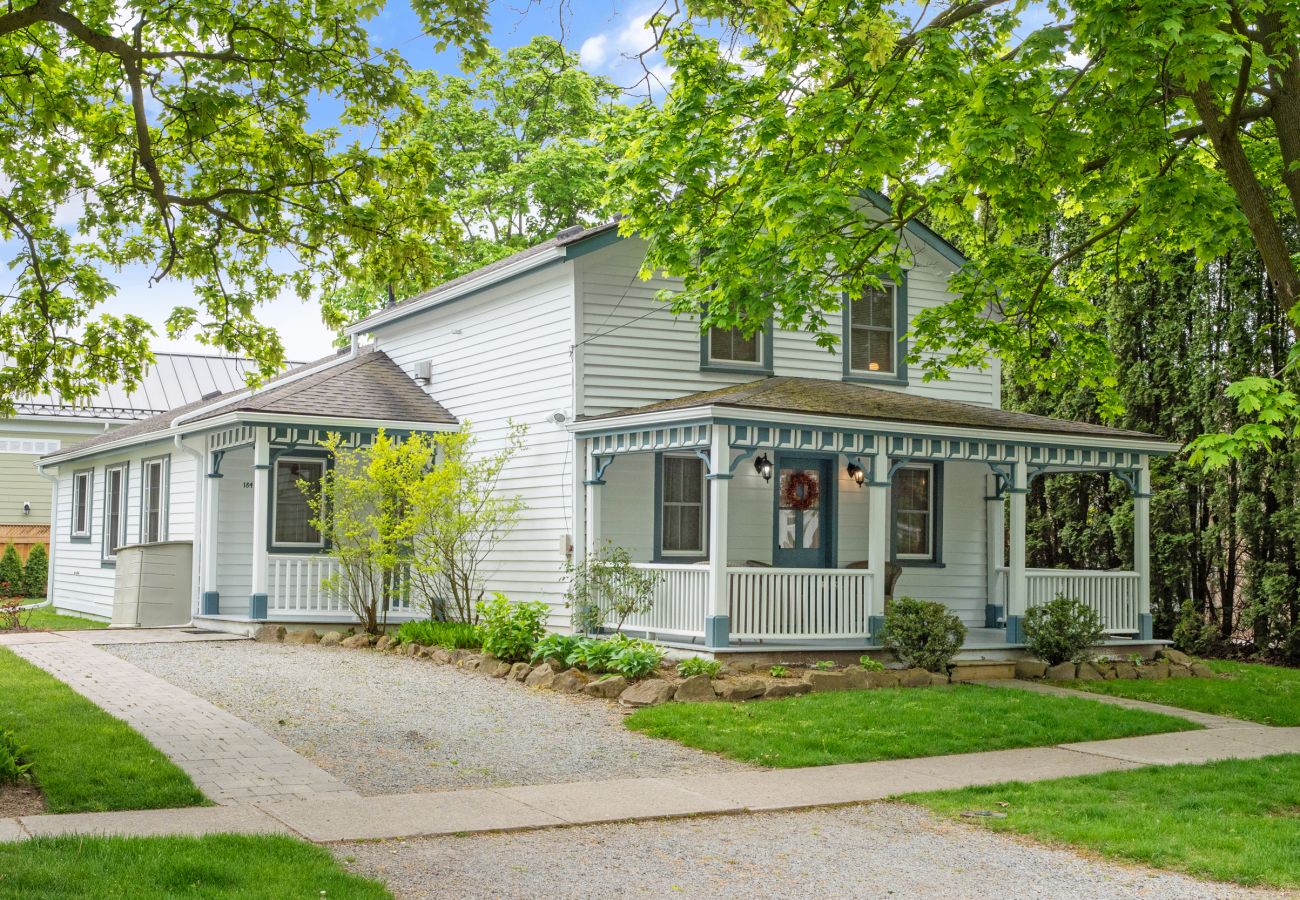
x=666, y=437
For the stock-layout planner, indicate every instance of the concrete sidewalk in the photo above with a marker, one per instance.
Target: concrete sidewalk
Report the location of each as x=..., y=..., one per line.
x=332, y=819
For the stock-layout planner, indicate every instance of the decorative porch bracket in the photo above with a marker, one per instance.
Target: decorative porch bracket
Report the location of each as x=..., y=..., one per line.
x=217, y=457
x=598, y=473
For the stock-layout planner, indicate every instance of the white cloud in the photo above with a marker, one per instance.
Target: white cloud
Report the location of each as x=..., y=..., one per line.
x=594, y=51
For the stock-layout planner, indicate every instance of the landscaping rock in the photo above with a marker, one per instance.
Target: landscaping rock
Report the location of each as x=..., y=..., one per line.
x=269, y=634
x=1062, y=672
x=519, y=671
x=741, y=689
x=741, y=666
x=331, y=639
x=1125, y=670
x=938, y=678
x=384, y=642
x=1161, y=668
x=606, y=688
x=1201, y=670
x=1176, y=670
x=570, y=681
x=1107, y=669
x=855, y=679
x=466, y=659
x=306, y=636
x=1177, y=657
x=557, y=665
x=440, y=655
x=914, y=677
x=1148, y=673
x=650, y=692
x=500, y=670
x=696, y=689
x=541, y=677
x=1030, y=668
x=826, y=681
x=488, y=663
x=1088, y=672
x=882, y=679
x=786, y=689
x=411, y=650
x=356, y=642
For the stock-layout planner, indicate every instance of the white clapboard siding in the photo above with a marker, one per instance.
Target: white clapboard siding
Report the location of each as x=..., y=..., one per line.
x=502, y=355
x=635, y=351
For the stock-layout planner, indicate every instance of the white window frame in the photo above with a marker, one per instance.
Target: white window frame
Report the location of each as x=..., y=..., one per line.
x=275, y=504
x=85, y=493
x=931, y=500
x=163, y=463
x=759, y=364
x=124, y=470
x=891, y=290
x=702, y=550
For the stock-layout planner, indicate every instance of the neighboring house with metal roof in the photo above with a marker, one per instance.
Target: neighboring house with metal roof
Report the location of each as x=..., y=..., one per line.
x=778, y=489
x=45, y=424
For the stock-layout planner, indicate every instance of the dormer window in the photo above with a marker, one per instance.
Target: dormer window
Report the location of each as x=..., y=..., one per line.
x=875, y=323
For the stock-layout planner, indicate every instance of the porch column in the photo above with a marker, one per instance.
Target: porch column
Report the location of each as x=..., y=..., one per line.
x=878, y=536
x=578, y=540
x=210, y=535
x=995, y=533
x=717, y=624
x=261, y=513
x=1142, y=546
x=1017, y=587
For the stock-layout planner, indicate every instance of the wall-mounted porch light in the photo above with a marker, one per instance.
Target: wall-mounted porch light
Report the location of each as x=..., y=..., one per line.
x=763, y=466
x=857, y=473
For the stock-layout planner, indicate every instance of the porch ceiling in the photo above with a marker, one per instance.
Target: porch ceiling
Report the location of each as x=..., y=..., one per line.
x=849, y=400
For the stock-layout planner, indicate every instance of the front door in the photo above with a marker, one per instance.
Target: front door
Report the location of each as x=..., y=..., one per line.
x=804, y=514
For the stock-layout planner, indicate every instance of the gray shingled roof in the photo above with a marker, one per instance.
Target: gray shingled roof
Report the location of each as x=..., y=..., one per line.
x=371, y=386
x=817, y=396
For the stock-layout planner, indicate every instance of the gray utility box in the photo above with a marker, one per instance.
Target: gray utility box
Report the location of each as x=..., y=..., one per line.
x=152, y=585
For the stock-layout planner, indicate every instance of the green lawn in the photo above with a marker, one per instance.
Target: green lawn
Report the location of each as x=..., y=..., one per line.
x=1237, y=820
x=894, y=723
x=84, y=759
x=46, y=619
x=1259, y=693
x=226, y=865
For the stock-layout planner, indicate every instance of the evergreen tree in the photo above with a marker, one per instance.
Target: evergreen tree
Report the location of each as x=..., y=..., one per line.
x=37, y=571
x=11, y=573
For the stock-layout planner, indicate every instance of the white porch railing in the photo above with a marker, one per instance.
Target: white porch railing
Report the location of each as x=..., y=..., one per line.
x=295, y=588
x=680, y=602
x=799, y=603
x=1113, y=595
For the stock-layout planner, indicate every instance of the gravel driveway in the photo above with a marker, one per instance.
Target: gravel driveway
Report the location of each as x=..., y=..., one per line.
x=386, y=725
x=878, y=850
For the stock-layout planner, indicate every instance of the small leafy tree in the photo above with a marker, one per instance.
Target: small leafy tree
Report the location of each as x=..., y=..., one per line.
x=362, y=509
x=1062, y=630
x=606, y=585
x=459, y=516
x=12, y=583
x=923, y=633
x=36, y=573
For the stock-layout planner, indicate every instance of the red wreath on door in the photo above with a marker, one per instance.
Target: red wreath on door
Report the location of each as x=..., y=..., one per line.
x=800, y=491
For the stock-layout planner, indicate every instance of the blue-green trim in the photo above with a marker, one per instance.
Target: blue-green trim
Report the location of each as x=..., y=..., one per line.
x=876, y=625
x=993, y=615
x=659, y=514
x=1015, y=630
x=271, y=545
x=936, y=516
x=717, y=632
x=901, y=324
x=211, y=603
x=1145, y=629
x=829, y=498
x=257, y=606
x=736, y=368
x=930, y=237
x=593, y=243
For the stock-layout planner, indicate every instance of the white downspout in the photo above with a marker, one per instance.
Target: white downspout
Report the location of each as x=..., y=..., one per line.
x=200, y=535
x=54, y=514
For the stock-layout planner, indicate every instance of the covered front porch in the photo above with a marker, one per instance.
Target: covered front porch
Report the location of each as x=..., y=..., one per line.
x=825, y=507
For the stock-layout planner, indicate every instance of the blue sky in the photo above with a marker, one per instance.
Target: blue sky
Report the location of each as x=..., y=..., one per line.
x=602, y=31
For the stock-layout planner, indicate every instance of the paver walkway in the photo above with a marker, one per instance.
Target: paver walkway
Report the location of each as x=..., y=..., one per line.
x=228, y=759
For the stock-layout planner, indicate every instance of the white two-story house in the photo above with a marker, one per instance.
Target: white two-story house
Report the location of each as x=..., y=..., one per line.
x=775, y=485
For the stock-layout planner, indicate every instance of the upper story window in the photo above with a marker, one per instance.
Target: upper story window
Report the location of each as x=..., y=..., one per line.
x=82, y=485
x=731, y=350
x=874, y=326
x=153, y=500
x=291, y=515
x=115, y=482
x=681, y=506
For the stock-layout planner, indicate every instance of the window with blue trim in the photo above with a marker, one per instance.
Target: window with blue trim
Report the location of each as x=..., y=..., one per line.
x=872, y=332
x=681, y=506
x=915, y=497
x=291, y=516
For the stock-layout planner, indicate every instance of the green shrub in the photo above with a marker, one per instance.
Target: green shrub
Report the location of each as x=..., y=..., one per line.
x=923, y=633
x=12, y=583
x=556, y=646
x=871, y=665
x=37, y=572
x=778, y=671
x=824, y=665
x=596, y=654
x=635, y=659
x=511, y=630
x=1194, y=635
x=1062, y=630
x=431, y=633
x=698, y=665
x=11, y=765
